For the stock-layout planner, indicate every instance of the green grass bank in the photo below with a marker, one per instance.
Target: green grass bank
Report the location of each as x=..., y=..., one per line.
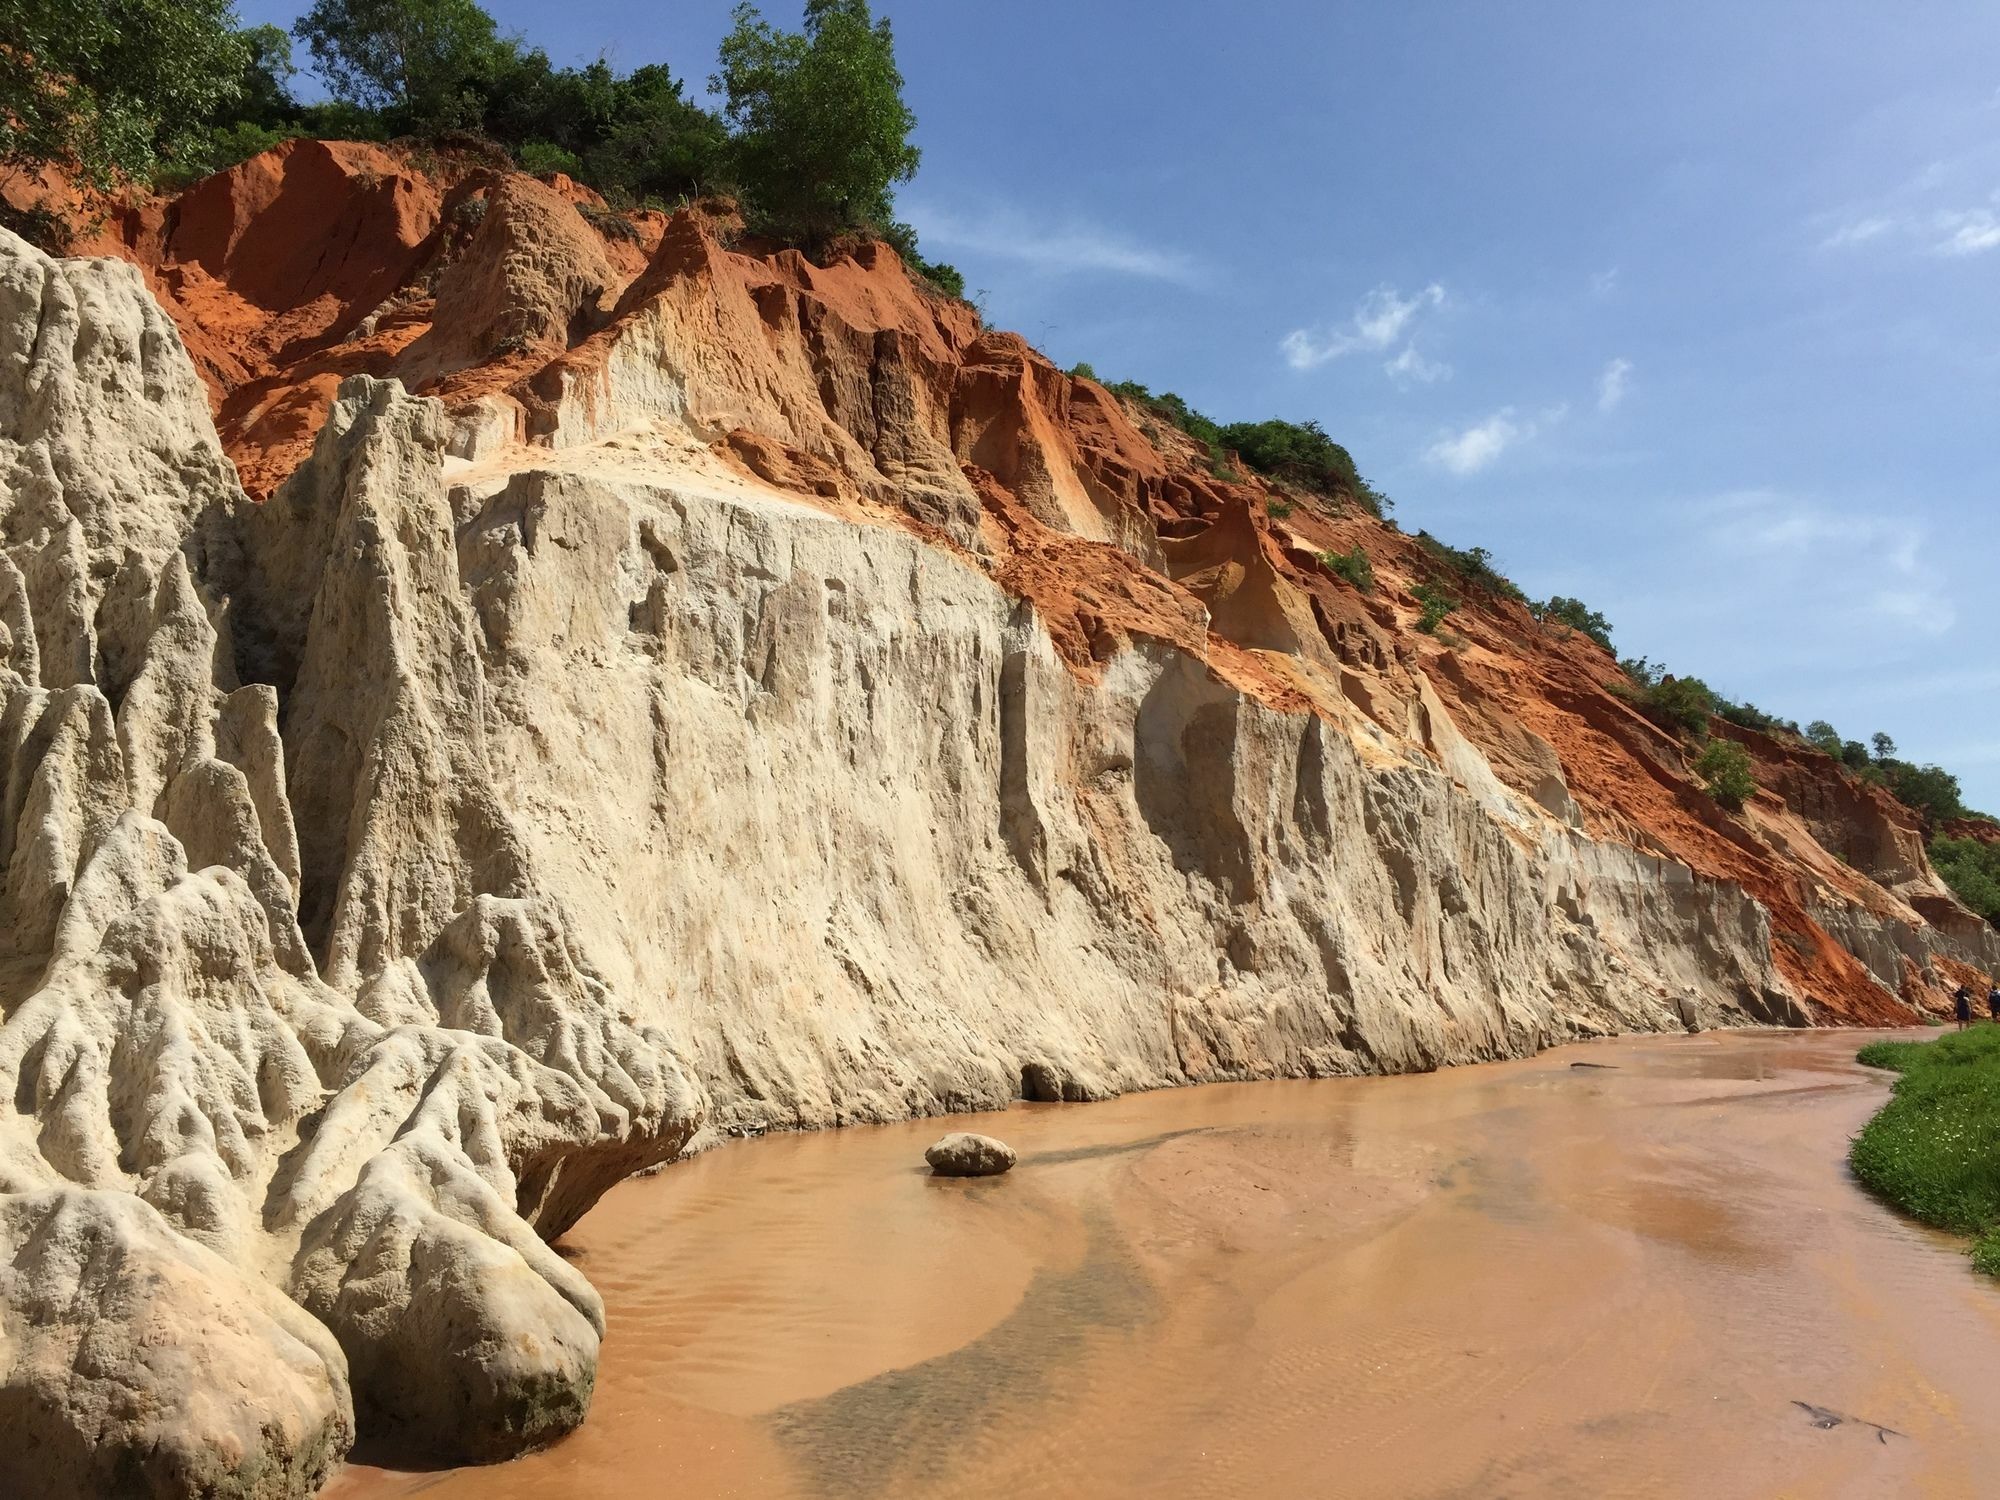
x=1934, y=1149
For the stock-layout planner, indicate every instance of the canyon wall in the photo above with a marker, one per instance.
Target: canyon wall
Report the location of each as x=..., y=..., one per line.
x=738, y=694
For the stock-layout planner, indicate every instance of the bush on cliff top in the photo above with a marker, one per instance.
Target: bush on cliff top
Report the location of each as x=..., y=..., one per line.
x=1933, y=1150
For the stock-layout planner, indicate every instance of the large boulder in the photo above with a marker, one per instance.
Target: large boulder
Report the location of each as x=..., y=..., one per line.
x=963, y=1154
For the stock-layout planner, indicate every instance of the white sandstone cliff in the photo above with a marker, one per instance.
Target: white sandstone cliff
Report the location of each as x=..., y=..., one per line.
x=391, y=868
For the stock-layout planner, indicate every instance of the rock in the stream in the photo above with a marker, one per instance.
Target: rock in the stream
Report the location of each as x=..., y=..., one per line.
x=963, y=1154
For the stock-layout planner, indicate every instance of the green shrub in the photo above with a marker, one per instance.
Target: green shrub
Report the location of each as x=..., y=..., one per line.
x=1436, y=604
x=1574, y=614
x=1278, y=510
x=538, y=158
x=1933, y=1150
x=1083, y=370
x=941, y=277
x=1296, y=453
x=1357, y=570
x=1301, y=453
x=1745, y=715
x=1724, y=767
x=1642, y=672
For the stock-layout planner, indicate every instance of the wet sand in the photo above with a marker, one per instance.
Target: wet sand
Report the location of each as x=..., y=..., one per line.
x=1650, y=1277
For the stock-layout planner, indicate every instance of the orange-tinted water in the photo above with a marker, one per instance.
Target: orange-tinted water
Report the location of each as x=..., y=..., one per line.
x=1525, y=1279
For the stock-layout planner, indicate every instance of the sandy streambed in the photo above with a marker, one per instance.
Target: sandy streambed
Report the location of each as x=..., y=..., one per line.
x=1631, y=1268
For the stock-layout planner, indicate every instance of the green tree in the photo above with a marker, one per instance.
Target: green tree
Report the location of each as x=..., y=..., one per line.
x=1885, y=747
x=1825, y=737
x=110, y=87
x=821, y=132
x=428, y=65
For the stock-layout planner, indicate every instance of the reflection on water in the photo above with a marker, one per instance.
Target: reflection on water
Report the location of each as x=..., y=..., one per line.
x=1646, y=1278
x=906, y=1429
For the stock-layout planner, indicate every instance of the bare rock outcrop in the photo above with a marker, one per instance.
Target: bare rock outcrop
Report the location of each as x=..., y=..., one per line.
x=532, y=277
x=197, y=1122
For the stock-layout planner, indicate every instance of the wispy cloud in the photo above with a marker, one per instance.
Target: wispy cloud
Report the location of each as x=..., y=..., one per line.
x=1379, y=321
x=1954, y=231
x=1613, y=384
x=1858, y=232
x=1067, y=248
x=1969, y=233
x=1478, y=446
x=1411, y=368
x=1874, y=562
x=1604, y=283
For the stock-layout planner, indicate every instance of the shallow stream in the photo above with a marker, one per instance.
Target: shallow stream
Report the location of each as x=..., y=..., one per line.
x=1630, y=1268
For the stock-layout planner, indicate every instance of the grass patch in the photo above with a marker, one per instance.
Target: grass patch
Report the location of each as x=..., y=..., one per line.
x=1934, y=1149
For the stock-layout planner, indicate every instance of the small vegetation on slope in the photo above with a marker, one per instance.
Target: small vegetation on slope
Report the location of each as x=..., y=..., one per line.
x=1934, y=1149
x=1436, y=604
x=1299, y=454
x=1724, y=767
x=1473, y=567
x=1574, y=614
x=1353, y=566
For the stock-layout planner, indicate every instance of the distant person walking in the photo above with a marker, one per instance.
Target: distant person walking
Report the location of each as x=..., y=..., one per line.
x=1961, y=1007
x=1993, y=1002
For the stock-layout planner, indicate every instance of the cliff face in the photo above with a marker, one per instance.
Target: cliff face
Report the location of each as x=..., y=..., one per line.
x=739, y=693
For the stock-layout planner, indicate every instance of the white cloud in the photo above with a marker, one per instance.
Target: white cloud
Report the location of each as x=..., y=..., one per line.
x=1613, y=384
x=1378, y=322
x=1859, y=232
x=1604, y=283
x=1479, y=445
x=1066, y=249
x=1411, y=368
x=1925, y=612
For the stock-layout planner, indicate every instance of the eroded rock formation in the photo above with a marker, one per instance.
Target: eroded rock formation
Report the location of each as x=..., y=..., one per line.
x=743, y=693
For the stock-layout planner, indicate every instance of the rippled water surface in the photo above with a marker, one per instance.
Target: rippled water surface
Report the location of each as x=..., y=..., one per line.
x=1636, y=1268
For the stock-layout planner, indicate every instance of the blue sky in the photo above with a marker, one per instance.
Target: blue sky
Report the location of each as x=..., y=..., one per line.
x=1692, y=312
